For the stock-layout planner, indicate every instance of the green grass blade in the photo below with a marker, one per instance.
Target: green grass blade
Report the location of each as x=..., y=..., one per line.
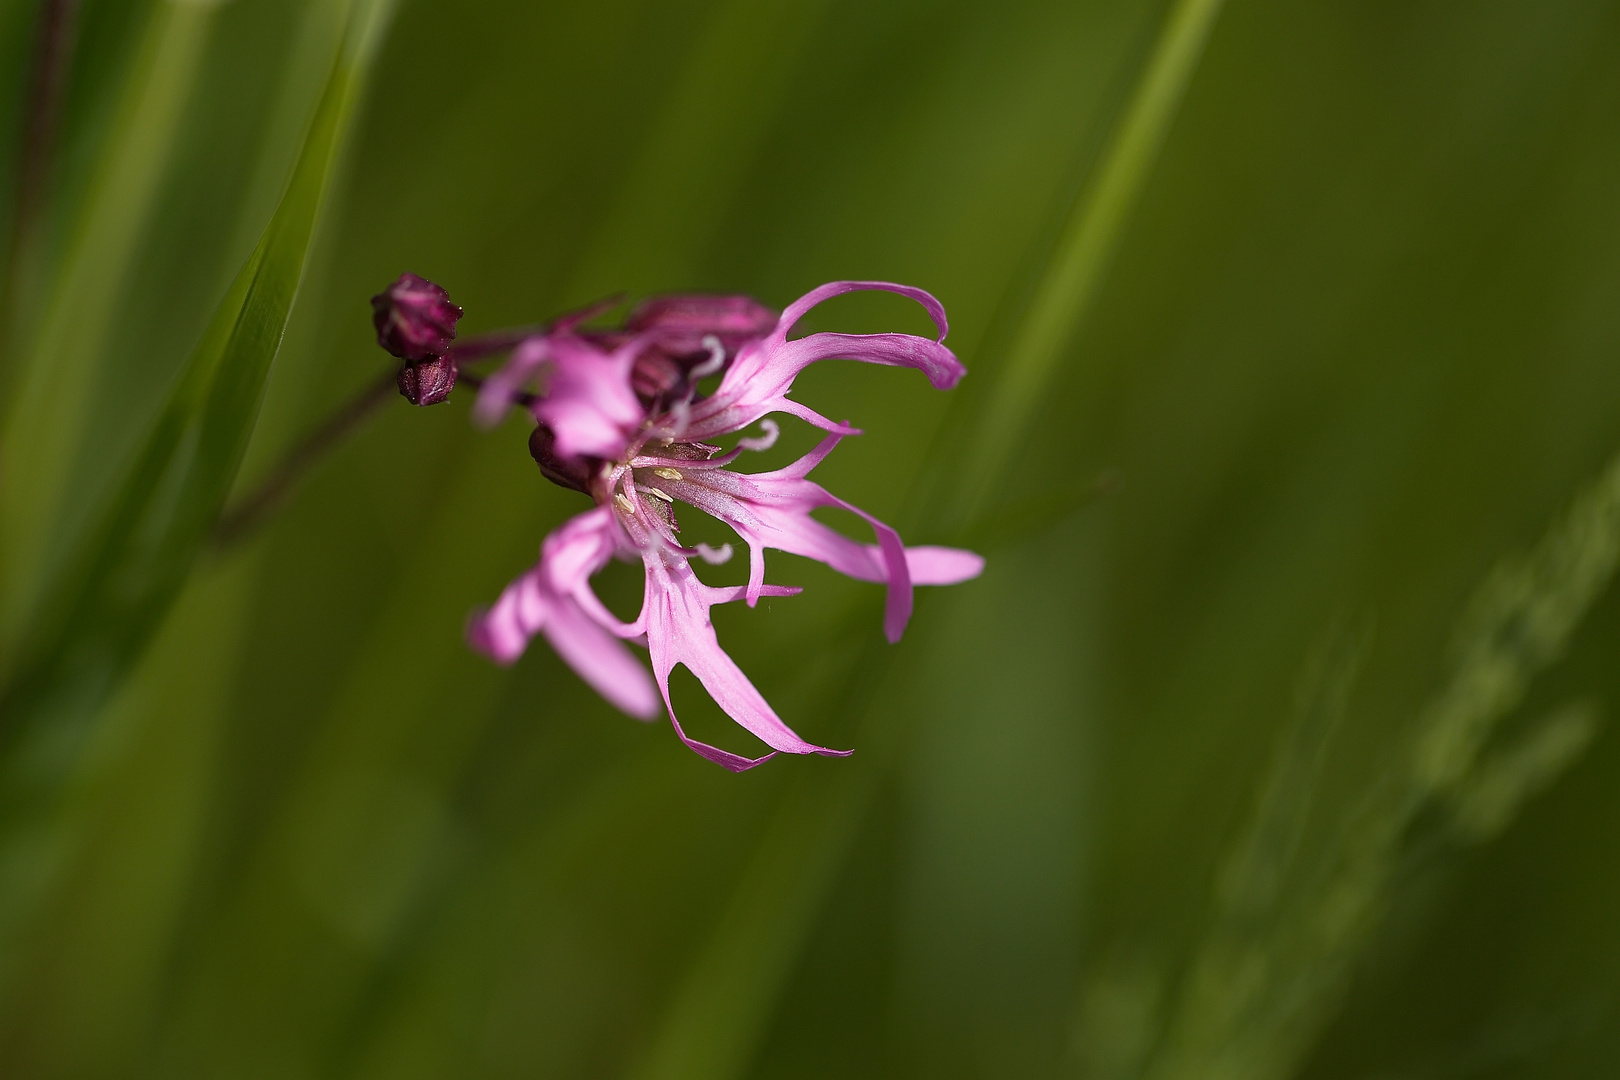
x=44, y=422
x=1084, y=249
x=129, y=571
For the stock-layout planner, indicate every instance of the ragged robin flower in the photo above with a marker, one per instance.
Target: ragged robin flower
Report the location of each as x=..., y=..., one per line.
x=620, y=418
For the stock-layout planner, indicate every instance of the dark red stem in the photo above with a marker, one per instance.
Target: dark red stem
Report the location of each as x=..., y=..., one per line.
x=246, y=516
x=54, y=38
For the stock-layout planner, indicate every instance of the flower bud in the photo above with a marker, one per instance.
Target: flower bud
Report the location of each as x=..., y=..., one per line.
x=428, y=382
x=568, y=472
x=415, y=319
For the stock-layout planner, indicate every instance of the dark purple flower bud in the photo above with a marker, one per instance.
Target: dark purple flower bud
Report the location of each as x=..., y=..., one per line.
x=428, y=382
x=415, y=319
x=679, y=323
x=568, y=472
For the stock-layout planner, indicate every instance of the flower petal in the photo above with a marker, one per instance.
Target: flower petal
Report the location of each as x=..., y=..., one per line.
x=931, y=358
x=601, y=660
x=801, y=307
x=503, y=386
x=762, y=374
x=725, y=758
x=897, y=604
x=554, y=598
x=772, y=510
x=502, y=631
x=589, y=403
x=942, y=565
x=679, y=632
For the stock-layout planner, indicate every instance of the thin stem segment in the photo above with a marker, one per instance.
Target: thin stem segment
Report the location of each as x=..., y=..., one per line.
x=55, y=35
x=242, y=520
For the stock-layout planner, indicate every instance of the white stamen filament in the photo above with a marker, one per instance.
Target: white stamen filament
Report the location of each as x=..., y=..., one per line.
x=682, y=412
x=764, y=442
x=716, y=360
x=713, y=557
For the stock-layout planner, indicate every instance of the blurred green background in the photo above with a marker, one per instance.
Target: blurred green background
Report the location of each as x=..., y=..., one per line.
x=1272, y=742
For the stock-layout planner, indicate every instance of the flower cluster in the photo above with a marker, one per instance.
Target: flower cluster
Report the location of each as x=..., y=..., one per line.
x=619, y=418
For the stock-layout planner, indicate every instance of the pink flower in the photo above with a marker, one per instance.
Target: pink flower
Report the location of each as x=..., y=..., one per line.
x=621, y=420
x=588, y=403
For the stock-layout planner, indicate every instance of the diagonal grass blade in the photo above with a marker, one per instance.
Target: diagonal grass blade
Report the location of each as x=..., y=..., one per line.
x=102, y=610
x=44, y=414
x=1084, y=249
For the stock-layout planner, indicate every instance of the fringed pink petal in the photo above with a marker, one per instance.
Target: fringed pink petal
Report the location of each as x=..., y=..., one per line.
x=554, y=598
x=602, y=660
x=578, y=548
x=931, y=358
x=801, y=468
x=724, y=758
x=679, y=632
x=898, y=603
x=760, y=378
x=772, y=510
x=821, y=293
x=728, y=593
x=500, y=631
x=942, y=565
x=502, y=387
x=589, y=403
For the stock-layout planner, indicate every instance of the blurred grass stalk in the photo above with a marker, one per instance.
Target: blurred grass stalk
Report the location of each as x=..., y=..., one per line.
x=123, y=575
x=1307, y=888
x=43, y=431
x=1078, y=265
x=119, y=576
x=55, y=42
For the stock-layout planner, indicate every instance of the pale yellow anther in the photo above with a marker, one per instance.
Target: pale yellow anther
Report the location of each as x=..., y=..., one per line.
x=668, y=473
x=624, y=503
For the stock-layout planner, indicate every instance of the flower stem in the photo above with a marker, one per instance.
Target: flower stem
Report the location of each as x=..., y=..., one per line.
x=242, y=520
x=54, y=39
x=56, y=31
